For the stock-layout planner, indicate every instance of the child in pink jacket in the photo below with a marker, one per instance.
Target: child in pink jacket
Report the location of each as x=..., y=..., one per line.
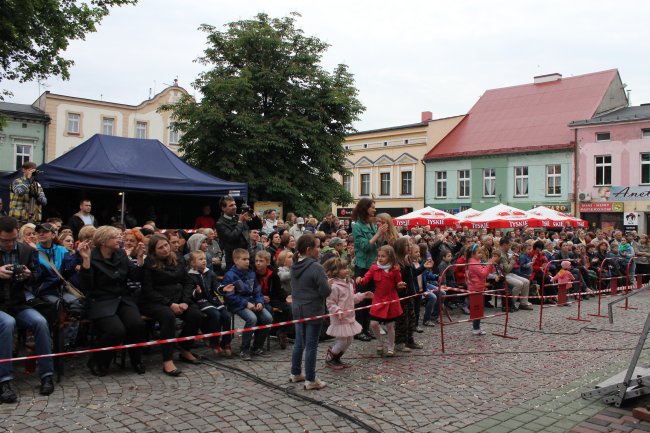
x=477, y=273
x=340, y=303
x=564, y=276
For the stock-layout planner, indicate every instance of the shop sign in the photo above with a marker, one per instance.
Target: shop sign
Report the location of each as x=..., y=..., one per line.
x=601, y=206
x=631, y=221
x=346, y=212
x=630, y=193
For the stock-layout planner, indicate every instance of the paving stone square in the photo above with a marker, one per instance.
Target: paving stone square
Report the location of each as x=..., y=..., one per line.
x=480, y=384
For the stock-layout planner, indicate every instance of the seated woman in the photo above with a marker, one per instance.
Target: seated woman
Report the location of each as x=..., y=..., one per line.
x=166, y=295
x=111, y=305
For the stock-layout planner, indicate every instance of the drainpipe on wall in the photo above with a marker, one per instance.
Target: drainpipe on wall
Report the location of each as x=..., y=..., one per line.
x=45, y=126
x=575, y=174
x=425, y=182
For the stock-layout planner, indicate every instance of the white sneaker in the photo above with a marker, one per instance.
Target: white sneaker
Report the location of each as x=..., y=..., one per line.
x=478, y=332
x=316, y=384
x=295, y=378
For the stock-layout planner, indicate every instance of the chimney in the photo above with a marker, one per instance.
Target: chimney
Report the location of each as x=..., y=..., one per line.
x=547, y=78
x=426, y=116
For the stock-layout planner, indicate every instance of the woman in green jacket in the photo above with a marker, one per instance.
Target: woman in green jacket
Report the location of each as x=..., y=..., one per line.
x=366, y=236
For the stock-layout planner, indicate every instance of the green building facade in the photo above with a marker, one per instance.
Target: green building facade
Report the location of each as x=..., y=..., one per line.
x=521, y=180
x=22, y=135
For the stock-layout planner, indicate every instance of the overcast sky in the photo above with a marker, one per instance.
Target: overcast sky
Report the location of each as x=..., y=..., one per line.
x=407, y=56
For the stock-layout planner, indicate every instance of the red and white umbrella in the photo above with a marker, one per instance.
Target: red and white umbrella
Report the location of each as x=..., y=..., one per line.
x=553, y=219
x=467, y=213
x=427, y=216
x=501, y=216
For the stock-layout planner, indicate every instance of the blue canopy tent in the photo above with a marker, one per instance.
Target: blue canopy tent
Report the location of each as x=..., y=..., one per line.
x=124, y=165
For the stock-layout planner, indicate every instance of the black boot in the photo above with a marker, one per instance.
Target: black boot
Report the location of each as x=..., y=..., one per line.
x=343, y=364
x=332, y=360
x=7, y=395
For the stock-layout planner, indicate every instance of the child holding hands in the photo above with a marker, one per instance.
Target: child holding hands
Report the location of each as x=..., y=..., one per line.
x=340, y=302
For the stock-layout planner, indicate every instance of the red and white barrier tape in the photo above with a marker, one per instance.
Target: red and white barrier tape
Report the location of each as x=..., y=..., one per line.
x=200, y=336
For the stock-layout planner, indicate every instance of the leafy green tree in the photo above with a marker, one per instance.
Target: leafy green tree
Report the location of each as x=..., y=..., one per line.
x=271, y=115
x=34, y=34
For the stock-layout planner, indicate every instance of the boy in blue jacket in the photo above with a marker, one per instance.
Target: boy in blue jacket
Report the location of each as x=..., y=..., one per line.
x=246, y=301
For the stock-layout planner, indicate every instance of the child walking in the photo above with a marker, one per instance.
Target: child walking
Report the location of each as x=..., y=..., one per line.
x=387, y=277
x=477, y=274
x=341, y=302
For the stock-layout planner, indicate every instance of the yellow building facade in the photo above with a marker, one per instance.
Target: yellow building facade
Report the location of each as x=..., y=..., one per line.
x=74, y=120
x=386, y=164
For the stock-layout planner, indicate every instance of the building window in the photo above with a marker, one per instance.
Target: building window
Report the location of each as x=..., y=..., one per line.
x=603, y=170
x=463, y=184
x=347, y=183
x=174, y=135
x=553, y=179
x=441, y=184
x=406, y=141
x=74, y=123
x=385, y=143
x=645, y=133
x=107, y=125
x=489, y=182
x=407, y=182
x=521, y=181
x=23, y=152
x=603, y=136
x=365, y=184
x=645, y=168
x=385, y=184
x=140, y=129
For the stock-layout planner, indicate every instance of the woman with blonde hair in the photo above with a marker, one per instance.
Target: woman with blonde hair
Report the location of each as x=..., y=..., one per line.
x=390, y=236
x=27, y=235
x=104, y=273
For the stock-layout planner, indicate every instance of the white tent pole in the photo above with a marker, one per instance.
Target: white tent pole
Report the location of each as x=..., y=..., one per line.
x=122, y=213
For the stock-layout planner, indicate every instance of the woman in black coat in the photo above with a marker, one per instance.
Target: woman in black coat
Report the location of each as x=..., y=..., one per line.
x=111, y=305
x=166, y=295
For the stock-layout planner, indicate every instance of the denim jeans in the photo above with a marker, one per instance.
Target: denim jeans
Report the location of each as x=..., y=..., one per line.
x=254, y=318
x=307, y=334
x=32, y=320
x=217, y=321
x=432, y=302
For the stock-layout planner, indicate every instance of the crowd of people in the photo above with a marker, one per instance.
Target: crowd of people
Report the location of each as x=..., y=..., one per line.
x=265, y=270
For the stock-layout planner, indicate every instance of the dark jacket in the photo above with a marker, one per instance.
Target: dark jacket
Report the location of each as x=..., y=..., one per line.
x=76, y=223
x=410, y=277
x=167, y=285
x=12, y=297
x=247, y=289
x=273, y=286
x=309, y=289
x=207, y=282
x=233, y=234
x=105, y=283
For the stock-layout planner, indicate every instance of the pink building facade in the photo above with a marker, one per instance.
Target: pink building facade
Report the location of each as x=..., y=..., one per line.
x=613, y=157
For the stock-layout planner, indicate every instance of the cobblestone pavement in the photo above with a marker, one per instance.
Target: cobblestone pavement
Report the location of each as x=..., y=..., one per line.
x=487, y=383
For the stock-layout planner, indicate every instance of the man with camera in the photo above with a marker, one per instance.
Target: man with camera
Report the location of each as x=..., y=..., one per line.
x=26, y=197
x=234, y=232
x=17, y=275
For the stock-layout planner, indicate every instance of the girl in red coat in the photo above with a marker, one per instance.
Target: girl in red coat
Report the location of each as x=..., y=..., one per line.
x=387, y=277
x=476, y=276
